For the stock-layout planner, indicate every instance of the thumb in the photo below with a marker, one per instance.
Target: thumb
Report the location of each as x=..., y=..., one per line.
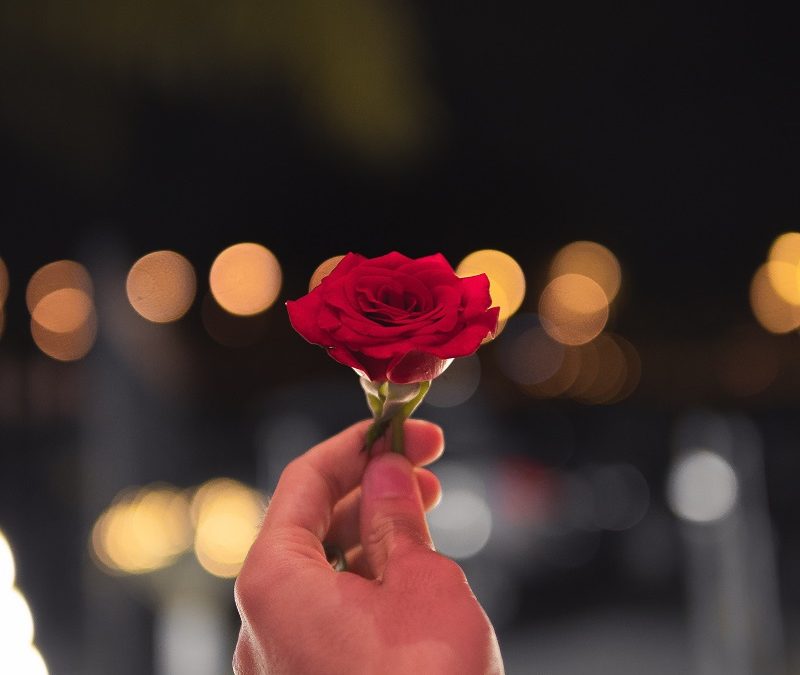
x=392, y=516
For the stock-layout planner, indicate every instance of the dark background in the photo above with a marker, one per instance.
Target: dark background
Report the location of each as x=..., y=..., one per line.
x=668, y=133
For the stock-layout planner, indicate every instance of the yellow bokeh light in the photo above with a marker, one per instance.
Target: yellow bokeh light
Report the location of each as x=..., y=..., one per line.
x=143, y=532
x=592, y=260
x=227, y=515
x=66, y=346
x=56, y=276
x=771, y=310
x=3, y=282
x=323, y=270
x=161, y=286
x=245, y=279
x=786, y=248
x=506, y=278
x=63, y=311
x=573, y=309
x=7, y=569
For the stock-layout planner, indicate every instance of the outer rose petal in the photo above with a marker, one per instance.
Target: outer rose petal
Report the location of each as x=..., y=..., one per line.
x=467, y=341
x=417, y=367
x=374, y=369
x=303, y=315
x=345, y=265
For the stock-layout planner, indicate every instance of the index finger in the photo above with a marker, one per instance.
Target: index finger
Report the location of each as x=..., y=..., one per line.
x=311, y=485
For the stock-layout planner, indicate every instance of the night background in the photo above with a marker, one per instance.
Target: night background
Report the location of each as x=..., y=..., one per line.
x=667, y=134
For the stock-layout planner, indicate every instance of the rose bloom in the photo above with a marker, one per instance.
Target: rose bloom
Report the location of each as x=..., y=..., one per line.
x=395, y=318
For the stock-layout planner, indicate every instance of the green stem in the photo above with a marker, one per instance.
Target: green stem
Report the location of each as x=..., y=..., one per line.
x=398, y=437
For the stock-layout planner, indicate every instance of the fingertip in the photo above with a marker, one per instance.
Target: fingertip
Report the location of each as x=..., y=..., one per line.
x=430, y=489
x=424, y=441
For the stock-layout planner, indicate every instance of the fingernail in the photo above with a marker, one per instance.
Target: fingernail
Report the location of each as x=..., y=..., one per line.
x=387, y=477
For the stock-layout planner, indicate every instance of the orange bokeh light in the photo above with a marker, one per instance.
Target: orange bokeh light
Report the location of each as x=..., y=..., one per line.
x=592, y=260
x=574, y=309
x=56, y=276
x=161, y=286
x=245, y=279
x=771, y=310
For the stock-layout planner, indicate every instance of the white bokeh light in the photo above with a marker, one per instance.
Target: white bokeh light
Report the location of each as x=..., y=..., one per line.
x=7, y=571
x=23, y=660
x=702, y=487
x=462, y=523
x=16, y=622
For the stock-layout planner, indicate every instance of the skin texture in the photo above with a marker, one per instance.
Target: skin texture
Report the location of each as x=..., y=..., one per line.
x=400, y=608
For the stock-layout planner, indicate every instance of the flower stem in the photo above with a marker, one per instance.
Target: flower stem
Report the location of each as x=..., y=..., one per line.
x=398, y=437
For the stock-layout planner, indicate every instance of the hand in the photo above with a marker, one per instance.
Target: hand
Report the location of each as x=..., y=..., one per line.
x=400, y=608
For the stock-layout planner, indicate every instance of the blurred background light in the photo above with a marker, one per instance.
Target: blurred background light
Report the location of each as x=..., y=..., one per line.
x=506, y=278
x=68, y=346
x=60, y=298
x=7, y=569
x=611, y=372
x=457, y=384
x=143, y=531
x=54, y=277
x=771, y=310
x=245, y=279
x=747, y=362
x=227, y=515
x=161, y=286
x=26, y=660
x=784, y=268
x=63, y=311
x=16, y=622
x=323, y=270
x=527, y=354
x=565, y=376
x=462, y=522
x=591, y=260
x=573, y=309
x=702, y=487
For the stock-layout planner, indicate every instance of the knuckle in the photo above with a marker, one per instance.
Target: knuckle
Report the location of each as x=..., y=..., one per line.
x=389, y=529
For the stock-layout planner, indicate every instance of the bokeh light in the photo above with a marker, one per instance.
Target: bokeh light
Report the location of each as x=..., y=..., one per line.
x=161, y=286
x=563, y=379
x=54, y=277
x=68, y=346
x=24, y=660
x=770, y=309
x=702, y=487
x=527, y=354
x=611, y=373
x=143, y=531
x=4, y=284
x=462, y=522
x=7, y=570
x=59, y=297
x=16, y=621
x=784, y=272
x=323, y=270
x=506, y=278
x=245, y=279
x=747, y=361
x=457, y=384
x=63, y=311
x=573, y=309
x=592, y=260
x=227, y=515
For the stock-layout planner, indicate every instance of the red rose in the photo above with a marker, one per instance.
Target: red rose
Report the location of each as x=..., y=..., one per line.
x=394, y=318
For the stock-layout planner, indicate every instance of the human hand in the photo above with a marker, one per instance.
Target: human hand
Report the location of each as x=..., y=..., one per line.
x=401, y=607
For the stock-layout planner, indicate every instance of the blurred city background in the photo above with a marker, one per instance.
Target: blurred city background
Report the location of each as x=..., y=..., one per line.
x=619, y=472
